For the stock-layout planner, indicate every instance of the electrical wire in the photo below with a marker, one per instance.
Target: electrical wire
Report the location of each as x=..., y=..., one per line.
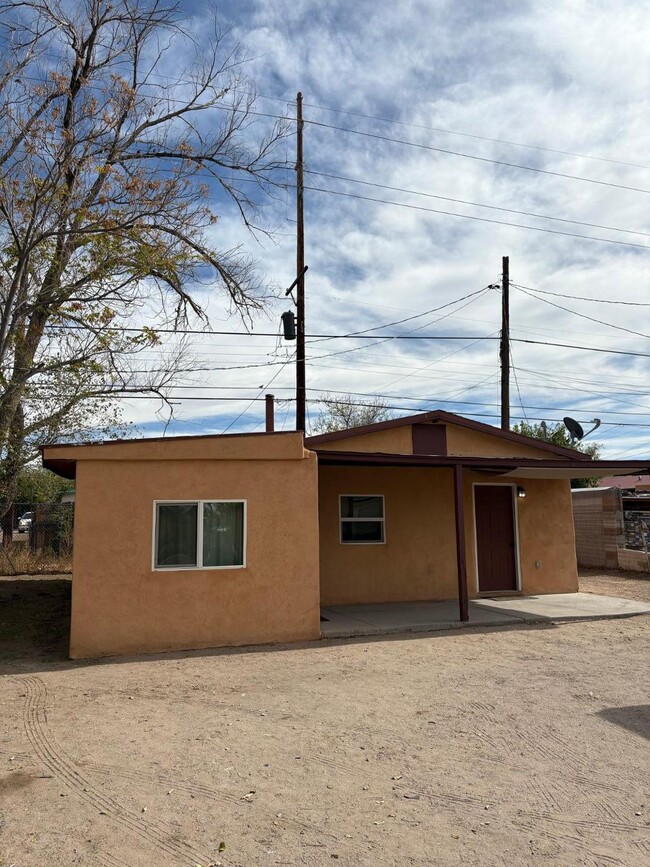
x=477, y=219
x=473, y=295
x=514, y=374
x=473, y=204
x=531, y=294
x=466, y=134
x=582, y=297
x=474, y=157
x=291, y=101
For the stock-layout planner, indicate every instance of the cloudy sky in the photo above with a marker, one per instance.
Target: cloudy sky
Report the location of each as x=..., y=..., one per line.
x=469, y=121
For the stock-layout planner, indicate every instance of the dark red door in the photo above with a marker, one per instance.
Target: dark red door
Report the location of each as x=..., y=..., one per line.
x=495, y=538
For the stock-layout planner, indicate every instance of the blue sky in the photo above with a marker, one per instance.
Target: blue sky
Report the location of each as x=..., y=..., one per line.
x=561, y=80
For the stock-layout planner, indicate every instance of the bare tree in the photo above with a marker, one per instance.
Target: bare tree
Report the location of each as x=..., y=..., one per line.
x=348, y=411
x=105, y=214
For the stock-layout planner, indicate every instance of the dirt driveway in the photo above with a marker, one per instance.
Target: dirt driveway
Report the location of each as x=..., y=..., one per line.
x=519, y=746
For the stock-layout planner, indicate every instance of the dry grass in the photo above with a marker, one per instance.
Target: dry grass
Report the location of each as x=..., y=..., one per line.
x=20, y=560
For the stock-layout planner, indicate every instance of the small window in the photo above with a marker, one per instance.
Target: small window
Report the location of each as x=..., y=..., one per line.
x=202, y=534
x=362, y=519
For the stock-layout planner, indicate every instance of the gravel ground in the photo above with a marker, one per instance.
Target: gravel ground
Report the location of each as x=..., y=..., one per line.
x=615, y=582
x=517, y=746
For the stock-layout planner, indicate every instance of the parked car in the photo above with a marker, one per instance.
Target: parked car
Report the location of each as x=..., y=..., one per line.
x=25, y=522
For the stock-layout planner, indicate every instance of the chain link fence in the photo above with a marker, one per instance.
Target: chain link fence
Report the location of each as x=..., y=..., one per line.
x=637, y=530
x=37, y=538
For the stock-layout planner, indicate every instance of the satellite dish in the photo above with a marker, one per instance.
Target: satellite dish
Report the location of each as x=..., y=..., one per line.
x=574, y=428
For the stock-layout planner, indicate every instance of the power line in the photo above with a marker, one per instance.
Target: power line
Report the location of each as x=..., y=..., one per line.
x=215, y=399
x=378, y=337
x=582, y=315
x=417, y=315
x=582, y=297
x=473, y=204
x=478, y=219
x=259, y=397
x=291, y=101
x=574, y=346
x=467, y=135
x=475, y=157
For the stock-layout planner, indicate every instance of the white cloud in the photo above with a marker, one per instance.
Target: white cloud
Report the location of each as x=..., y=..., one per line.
x=572, y=76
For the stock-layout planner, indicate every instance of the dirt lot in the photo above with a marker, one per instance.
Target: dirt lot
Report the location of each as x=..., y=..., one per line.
x=615, y=582
x=519, y=746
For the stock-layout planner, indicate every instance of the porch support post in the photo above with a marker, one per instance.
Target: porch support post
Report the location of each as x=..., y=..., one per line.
x=461, y=563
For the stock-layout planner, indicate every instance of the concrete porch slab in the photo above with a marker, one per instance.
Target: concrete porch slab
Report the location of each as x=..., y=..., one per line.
x=347, y=621
x=565, y=606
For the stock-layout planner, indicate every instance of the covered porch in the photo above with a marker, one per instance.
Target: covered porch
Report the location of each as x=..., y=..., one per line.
x=428, y=568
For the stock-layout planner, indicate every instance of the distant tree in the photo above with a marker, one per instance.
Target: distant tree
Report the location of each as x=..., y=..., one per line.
x=558, y=435
x=38, y=485
x=347, y=411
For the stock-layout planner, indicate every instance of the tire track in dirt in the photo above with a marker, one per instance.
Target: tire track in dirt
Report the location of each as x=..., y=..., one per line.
x=579, y=841
x=543, y=791
x=14, y=755
x=448, y=799
x=199, y=789
x=584, y=823
x=65, y=770
x=106, y=859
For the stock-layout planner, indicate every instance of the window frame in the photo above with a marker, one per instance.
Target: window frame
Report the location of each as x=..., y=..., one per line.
x=381, y=520
x=199, y=536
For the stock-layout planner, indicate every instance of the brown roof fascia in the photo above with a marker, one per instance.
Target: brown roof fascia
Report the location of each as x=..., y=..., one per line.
x=326, y=456
x=65, y=469
x=440, y=415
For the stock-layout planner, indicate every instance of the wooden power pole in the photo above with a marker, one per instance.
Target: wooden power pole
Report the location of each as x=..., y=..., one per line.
x=505, y=344
x=300, y=272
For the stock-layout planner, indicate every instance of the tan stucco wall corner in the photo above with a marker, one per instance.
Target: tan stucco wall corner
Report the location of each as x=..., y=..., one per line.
x=121, y=605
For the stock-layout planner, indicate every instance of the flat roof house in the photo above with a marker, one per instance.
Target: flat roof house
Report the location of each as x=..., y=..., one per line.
x=193, y=542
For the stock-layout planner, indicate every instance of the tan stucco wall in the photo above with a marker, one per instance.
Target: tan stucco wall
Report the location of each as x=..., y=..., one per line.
x=120, y=605
x=278, y=446
x=469, y=443
x=461, y=442
x=396, y=441
x=545, y=534
x=418, y=560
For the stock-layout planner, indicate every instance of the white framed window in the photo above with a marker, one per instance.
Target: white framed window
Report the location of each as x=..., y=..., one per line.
x=361, y=519
x=199, y=534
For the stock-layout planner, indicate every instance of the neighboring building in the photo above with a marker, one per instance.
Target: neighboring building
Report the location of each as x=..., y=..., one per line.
x=638, y=482
x=193, y=542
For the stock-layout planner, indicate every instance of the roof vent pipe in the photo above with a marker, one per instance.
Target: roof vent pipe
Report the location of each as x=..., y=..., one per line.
x=270, y=413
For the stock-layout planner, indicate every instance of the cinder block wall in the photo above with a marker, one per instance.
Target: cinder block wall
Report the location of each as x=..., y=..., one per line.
x=598, y=521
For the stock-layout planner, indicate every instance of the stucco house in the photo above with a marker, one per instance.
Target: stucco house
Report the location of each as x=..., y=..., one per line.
x=193, y=542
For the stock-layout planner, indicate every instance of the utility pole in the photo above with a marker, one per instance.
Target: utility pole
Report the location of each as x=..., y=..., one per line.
x=505, y=344
x=300, y=272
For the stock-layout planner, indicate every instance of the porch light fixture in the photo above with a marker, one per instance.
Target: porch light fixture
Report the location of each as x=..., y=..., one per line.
x=521, y=492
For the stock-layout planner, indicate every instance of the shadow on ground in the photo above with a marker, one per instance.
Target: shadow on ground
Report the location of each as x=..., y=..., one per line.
x=35, y=628
x=34, y=618
x=635, y=718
